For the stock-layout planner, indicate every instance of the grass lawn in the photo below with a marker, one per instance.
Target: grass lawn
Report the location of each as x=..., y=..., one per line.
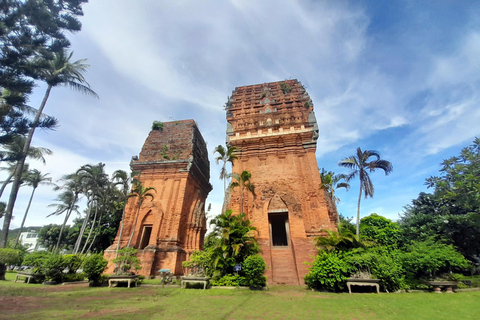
x=36, y=301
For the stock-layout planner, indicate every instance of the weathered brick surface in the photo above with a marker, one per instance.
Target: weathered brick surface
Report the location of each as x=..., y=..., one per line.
x=274, y=127
x=174, y=161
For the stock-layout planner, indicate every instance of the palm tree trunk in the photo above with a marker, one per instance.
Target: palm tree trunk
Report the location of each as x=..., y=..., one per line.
x=121, y=231
x=99, y=226
x=17, y=179
x=67, y=215
x=82, y=230
x=92, y=227
x=358, y=212
x=24, y=218
x=6, y=182
x=241, y=203
x=135, y=224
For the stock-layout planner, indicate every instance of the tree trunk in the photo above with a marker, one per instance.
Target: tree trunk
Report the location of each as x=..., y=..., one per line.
x=67, y=215
x=91, y=228
x=121, y=231
x=135, y=224
x=24, y=218
x=358, y=212
x=99, y=227
x=17, y=179
x=82, y=230
x=6, y=182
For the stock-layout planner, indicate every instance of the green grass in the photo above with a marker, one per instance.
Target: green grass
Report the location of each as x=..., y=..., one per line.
x=22, y=301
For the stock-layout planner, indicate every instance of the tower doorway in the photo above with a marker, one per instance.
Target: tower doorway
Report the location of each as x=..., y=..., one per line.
x=279, y=229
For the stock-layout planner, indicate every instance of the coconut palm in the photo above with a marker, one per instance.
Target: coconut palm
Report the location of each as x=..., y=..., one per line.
x=34, y=178
x=125, y=181
x=59, y=71
x=67, y=204
x=361, y=166
x=141, y=193
x=13, y=153
x=225, y=155
x=93, y=178
x=245, y=183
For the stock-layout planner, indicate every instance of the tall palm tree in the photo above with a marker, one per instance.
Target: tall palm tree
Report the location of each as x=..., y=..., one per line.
x=34, y=179
x=125, y=181
x=68, y=200
x=141, y=193
x=361, y=166
x=93, y=178
x=245, y=183
x=226, y=155
x=59, y=71
x=13, y=153
x=67, y=204
x=331, y=182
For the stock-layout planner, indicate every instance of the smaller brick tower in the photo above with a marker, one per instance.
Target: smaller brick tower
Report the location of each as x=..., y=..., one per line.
x=174, y=161
x=275, y=130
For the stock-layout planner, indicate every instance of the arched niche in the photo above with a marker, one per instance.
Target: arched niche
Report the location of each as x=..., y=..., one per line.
x=146, y=227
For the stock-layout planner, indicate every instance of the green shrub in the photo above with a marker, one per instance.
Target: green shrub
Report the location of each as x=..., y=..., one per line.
x=93, y=267
x=36, y=259
x=200, y=262
x=10, y=256
x=72, y=277
x=329, y=271
x=73, y=262
x=230, y=280
x=52, y=267
x=254, y=267
x=157, y=125
x=126, y=260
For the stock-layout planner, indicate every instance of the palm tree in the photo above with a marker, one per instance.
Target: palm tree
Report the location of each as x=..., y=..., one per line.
x=125, y=182
x=34, y=178
x=13, y=153
x=68, y=200
x=244, y=182
x=225, y=155
x=141, y=193
x=360, y=167
x=93, y=178
x=67, y=204
x=236, y=241
x=331, y=182
x=59, y=71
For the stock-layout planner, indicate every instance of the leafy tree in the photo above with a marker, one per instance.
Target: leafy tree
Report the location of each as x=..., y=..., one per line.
x=55, y=72
x=245, y=183
x=29, y=29
x=226, y=155
x=381, y=230
x=452, y=212
x=361, y=166
x=67, y=204
x=34, y=179
x=8, y=257
x=141, y=193
x=236, y=241
x=328, y=271
x=126, y=260
x=93, y=267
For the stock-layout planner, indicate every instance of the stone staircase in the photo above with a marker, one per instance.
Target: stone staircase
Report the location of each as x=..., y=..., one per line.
x=283, y=267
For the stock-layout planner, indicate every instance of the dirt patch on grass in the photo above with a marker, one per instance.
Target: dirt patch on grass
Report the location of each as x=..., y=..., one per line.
x=20, y=304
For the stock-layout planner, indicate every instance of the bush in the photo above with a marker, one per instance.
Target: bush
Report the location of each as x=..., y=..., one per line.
x=73, y=262
x=127, y=259
x=230, y=280
x=329, y=271
x=36, y=259
x=200, y=263
x=93, y=267
x=254, y=267
x=157, y=125
x=52, y=267
x=72, y=277
x=11, y=256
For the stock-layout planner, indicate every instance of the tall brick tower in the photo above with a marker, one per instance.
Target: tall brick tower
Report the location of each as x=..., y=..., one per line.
x=275, y=130
x=174, y=161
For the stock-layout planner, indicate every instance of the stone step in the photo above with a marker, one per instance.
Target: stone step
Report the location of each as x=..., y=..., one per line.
x=283, y=267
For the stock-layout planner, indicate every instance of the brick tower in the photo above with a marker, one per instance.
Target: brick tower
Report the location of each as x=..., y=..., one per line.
x=174, y=161
x=274, y=128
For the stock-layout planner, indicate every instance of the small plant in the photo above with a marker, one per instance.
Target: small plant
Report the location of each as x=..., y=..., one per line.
x=285, y=87
x=93, y=267
x=157, y=125
x=52, y=268
x=126, y=260
x=306, y=105
x=230, y=280
x=254, y=268
x=164, y=152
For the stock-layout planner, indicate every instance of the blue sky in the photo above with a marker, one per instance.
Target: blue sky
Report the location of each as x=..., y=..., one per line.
x=399, y=77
